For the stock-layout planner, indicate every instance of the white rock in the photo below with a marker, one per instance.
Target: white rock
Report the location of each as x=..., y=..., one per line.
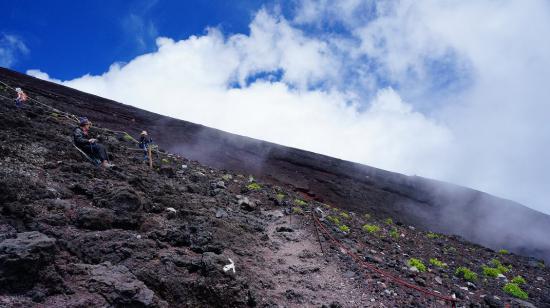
x=171, y=209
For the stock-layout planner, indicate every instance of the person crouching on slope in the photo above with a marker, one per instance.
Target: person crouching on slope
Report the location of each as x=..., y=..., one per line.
x=90, y=145
x=21, y=98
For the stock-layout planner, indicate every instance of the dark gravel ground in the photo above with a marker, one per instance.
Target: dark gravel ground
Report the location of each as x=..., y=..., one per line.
x=72, y=235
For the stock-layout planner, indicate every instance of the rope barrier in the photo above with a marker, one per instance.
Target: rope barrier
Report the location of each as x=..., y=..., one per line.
x=371, y=267
x=75, y=118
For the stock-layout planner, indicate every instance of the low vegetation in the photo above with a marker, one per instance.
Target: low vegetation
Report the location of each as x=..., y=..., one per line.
x=514, y=290
x=254, y=186
x=300, y=202
x=437, y=263
x=344, y=228
x=503, y=252
x=389, y=221
x=518, y=280
x=466, y=273
x=417, y=263
x=490, y=271
x=394, y=233
x=345, y=215
x=371, y=228
x=432, y=235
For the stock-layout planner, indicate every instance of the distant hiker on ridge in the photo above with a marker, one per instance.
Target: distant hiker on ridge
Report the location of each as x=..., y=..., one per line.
x=144, y=141
x=21, y=98
x=90, y=145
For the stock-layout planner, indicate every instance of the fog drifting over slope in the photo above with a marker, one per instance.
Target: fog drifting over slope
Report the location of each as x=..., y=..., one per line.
x=454, y=91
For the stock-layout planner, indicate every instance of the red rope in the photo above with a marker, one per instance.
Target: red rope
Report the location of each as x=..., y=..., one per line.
x=379, y=271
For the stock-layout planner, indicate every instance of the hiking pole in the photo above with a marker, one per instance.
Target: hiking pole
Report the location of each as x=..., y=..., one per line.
x=150, y=157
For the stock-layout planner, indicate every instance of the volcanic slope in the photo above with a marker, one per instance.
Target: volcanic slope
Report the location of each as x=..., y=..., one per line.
x=426, y=204
x=73, y=235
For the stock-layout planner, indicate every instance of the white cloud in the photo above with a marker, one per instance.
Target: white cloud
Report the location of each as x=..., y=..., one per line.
x=477, y=70
x=11, y=47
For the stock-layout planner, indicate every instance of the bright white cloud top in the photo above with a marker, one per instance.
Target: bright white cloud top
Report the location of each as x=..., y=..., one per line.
x=455, y=90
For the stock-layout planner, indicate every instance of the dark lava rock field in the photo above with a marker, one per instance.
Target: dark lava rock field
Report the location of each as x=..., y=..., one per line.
x=185, y=234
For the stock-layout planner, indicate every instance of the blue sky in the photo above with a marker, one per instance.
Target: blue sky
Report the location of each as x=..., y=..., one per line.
x=71, y=38
x=453, y=90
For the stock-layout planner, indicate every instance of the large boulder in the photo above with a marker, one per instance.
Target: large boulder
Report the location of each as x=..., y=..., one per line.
x=118, y=285
x=22, y=257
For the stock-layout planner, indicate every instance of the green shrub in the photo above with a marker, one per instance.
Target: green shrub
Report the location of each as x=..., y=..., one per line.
x=371, y=228
x=280, y=197
x=165, y=161
x=436, y=262
x=299, y=202
x=366, y=215
x=344, y=228
x=394, y=233
x=466, y=273
x=345, y=215
x=388, y=221
x=297, y=210
x=432, y=235
x=418, y=264
x=518, y=280
x=333, y=219
x=503, y=252
x=490, y=271
x=501, y=268
x=254, y=186
x=54, y=114
x=514, y=290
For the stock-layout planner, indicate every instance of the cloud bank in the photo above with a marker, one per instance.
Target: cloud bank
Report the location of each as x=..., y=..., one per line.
x=449, y=90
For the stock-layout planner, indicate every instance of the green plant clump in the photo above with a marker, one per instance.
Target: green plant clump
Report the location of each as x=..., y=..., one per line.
x=165, y=161
x=432, y=235
x=466, y=273
x=297, y=210
x=345, y=215
x=503, y=252
x=344, y=228
x=436, y=262
x=371, y=228
x=366, y=215
x=514, y=290
x=333, y=219
x=389, y=221
x=501, y=268
x=299, y=202
x=254, y=186
x=418, y=264
x=280, y=197
x=394, y=233
x=518, y=280
x=490, y=271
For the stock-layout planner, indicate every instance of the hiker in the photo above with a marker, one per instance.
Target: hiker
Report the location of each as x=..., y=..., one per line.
x=144, y=142
x=90, y=145
x=21, y=98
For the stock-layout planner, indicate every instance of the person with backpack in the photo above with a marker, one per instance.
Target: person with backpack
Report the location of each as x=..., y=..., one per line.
x=21, y=98
x=89, y=145
x=144, y=142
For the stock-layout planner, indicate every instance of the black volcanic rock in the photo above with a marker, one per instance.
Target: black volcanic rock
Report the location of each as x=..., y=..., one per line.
x=22, y=257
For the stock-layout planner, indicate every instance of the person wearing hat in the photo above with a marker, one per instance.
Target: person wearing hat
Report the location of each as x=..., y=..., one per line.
x=144, y=141
x=21, y=98
x=90, y=145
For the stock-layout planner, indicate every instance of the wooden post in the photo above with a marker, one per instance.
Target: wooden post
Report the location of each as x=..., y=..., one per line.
x=150, y=156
